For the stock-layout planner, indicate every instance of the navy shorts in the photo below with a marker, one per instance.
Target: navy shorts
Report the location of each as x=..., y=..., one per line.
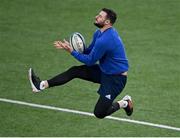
x=111, y=85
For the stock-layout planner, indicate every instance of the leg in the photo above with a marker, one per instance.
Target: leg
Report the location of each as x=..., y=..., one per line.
x=111, y=87
x=84, y=72
x=89, y=73
x=105, y=107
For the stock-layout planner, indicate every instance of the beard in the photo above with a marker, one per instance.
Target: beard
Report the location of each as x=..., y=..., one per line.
x=99, y=25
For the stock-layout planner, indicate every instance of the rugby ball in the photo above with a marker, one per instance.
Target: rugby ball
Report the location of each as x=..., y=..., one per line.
x=77, y=42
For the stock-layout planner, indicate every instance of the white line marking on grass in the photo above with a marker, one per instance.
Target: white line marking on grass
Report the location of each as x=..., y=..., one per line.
x=88, y=114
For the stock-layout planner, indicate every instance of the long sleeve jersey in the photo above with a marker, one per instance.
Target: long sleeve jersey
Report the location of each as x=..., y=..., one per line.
x=107, y=48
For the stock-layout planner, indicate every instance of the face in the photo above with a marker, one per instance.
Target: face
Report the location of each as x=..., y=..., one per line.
x=100, y=19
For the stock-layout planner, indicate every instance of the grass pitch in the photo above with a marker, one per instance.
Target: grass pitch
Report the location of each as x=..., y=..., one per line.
x=150, y=31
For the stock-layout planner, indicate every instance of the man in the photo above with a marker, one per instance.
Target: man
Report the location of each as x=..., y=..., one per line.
x=111, y=72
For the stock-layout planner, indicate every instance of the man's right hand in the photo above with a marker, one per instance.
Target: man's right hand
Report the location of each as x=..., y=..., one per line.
x=63, y=45
x=58, y=44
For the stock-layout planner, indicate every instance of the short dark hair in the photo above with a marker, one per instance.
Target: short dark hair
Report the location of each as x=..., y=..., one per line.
x=111, y=15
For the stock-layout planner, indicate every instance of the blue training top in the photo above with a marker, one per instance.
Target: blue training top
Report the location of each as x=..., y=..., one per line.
x=107, y=47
